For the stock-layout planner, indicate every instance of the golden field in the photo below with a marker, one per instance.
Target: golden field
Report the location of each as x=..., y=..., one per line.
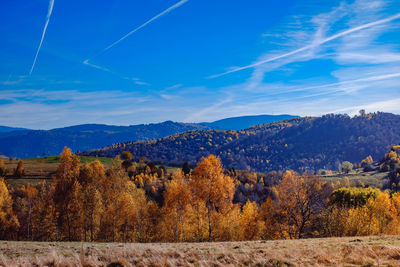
x=347, y=251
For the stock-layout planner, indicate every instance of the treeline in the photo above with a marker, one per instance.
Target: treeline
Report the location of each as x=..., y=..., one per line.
x=86, y=202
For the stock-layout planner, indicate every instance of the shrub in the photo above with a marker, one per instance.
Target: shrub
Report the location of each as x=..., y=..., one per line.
x=20, y=170
x=346, y=166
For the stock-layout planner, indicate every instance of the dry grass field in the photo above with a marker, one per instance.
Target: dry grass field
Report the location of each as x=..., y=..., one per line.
x=348, y=251
x=39, y=169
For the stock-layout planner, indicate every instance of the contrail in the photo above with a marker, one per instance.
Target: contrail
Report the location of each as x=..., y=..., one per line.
x=138, y=28
x=50, y=10
x=328, y=39
x=86, y=62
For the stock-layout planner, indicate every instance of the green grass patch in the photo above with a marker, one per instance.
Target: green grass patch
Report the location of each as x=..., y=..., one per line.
x=56, y=159
x=374, y=179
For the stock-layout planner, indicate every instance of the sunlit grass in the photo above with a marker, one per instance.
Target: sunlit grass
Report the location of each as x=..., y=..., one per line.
x=347, y=251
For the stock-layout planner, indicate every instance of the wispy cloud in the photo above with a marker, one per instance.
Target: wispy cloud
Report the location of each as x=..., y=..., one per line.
x=175, y=86
x=166, y=11
x=145, y=24
x=135, y=80
x=205, y=112
x=310, y=46
x=86, y=62
x=50, y=10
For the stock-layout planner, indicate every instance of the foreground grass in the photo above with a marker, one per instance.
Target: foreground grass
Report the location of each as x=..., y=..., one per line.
x=349, y=251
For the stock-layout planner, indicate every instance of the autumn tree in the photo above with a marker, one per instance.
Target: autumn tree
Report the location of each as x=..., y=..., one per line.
x=89, y=177
x=65, y=184
x=177, y=207
x=92, y=211
x=299, y=200
x=8, y=221
x=44, y=215
x=211, y=186
x=25, y=199
x=367, y=161
x=127, y=157
x=74, y=213
x=149, y=218
x=251, y=226
x=346, y=167
x=127, y=215
x=273, y=220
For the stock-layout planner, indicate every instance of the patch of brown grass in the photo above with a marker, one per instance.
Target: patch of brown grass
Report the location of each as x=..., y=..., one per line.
x=348, y=251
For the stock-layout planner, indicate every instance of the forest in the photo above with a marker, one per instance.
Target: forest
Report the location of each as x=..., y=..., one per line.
x=305, y=144
x=141, y=202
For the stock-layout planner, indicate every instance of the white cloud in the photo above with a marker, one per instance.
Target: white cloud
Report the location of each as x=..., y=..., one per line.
x=316, y=42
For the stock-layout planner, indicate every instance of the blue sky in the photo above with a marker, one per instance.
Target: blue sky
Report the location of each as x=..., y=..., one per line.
x=130, y=62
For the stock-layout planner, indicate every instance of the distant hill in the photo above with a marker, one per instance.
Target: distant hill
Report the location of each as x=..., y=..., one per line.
x=34, y=143
x=6, y=129
x=243, y=122
x=301, y=144
x=23, y=143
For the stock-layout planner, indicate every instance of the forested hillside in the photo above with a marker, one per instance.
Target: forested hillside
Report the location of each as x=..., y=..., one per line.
x=34, y=143
x=301, y=144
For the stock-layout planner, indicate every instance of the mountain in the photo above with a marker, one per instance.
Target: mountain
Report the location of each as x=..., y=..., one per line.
x=6, y=129
x=33, y=143
x=243, y=122
x=301, y=144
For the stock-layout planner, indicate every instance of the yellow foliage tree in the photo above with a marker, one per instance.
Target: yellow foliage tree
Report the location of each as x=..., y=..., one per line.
x=251, y=226
x=65, y=184
x=211, y=186
x=8, y=221
x=44, y=215
x=176, y=209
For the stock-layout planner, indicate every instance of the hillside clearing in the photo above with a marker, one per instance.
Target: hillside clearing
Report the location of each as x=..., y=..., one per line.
x=356, y=178
x=348, y=251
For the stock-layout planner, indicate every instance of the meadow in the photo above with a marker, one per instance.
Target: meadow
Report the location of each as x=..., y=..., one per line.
x=39, y=169
x=345, y=251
